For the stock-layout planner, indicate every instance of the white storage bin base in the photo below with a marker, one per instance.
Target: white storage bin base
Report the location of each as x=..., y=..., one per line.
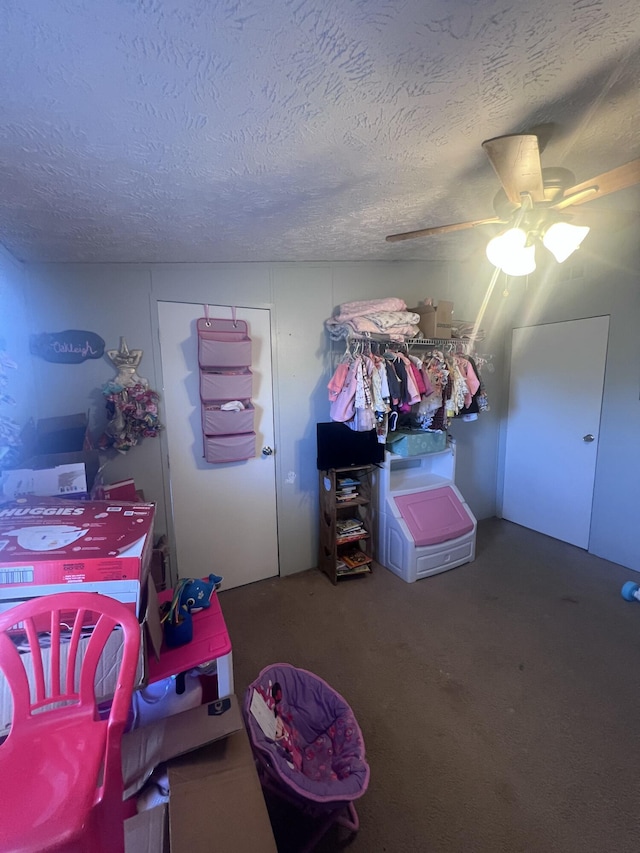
x=436, y=511
x=410, y=563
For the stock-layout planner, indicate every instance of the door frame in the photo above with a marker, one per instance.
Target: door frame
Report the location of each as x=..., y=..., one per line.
x=164, y=445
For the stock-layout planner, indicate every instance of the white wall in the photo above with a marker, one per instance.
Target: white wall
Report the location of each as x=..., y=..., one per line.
x=115, y=300
x=14, y=334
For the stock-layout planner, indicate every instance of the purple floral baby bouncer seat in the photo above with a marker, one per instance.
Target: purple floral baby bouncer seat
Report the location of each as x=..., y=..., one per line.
x=313, y=755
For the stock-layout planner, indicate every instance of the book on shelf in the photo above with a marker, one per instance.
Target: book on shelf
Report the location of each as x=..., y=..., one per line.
x=346, y=490
x=357, y=570
x=352, y=537
x=354, y=558
x=348, y=525
x=347, y=482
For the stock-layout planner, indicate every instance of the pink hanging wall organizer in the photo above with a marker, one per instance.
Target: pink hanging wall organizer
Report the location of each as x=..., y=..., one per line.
x=224, y=357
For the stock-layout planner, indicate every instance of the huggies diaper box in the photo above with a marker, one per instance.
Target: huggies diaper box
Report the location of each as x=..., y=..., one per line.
x=58, y=546
x=51, y=545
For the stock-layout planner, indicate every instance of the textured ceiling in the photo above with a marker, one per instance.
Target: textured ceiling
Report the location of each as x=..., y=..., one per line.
x=255, y=130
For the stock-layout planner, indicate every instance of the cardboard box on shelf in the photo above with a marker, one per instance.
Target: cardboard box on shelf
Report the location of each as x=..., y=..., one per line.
x=435, y=320
x=215, y=797
x=60, y=546
x=444, y=315
x=427, y=323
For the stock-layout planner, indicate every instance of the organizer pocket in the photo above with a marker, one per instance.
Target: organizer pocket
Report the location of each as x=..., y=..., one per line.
x=224, y=353
x=216, y=421
x=222, y=343
x=225, y=385
x=230, y=448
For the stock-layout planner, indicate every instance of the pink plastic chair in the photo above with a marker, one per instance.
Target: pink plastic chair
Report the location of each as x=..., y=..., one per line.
x=60, y=765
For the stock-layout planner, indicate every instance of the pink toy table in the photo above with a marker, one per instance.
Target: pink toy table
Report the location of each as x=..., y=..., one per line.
x=210, y=642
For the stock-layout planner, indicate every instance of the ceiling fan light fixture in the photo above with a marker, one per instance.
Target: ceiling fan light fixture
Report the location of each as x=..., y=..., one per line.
x=522, y=263
x=510, y=253
x=562, y=239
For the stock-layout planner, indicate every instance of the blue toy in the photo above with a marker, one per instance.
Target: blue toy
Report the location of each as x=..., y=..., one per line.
x=189, y=595
x=631, y=591
x=195, y=593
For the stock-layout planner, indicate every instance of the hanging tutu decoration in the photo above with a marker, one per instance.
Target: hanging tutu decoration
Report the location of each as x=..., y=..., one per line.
x=132, y=406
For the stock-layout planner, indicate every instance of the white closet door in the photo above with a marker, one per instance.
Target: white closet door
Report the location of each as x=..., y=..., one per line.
x=555, y=398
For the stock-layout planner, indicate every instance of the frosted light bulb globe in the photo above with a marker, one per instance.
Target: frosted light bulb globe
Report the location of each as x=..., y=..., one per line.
x=562, y=239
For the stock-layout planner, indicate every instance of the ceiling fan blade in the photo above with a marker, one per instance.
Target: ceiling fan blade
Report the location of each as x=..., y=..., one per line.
x=441, y=229
x=579, y=197
x=608, y=182
x=516, y=161
x=604, y=219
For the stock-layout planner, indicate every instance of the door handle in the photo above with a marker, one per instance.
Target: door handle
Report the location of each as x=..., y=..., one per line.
x=267, y=451
x=588, y=437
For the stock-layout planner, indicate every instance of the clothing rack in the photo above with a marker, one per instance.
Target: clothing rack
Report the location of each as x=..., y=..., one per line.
x=428, y=343
x=371, y=342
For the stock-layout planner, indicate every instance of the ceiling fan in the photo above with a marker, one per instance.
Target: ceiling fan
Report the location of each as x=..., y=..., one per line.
x=534, y=202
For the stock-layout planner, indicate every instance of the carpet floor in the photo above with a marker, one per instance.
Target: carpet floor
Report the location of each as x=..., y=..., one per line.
x=498, y=701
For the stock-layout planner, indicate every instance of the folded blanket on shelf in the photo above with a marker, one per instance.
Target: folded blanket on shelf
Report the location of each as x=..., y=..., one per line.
x=393, y=333
x=368, y=306
x=395, y=324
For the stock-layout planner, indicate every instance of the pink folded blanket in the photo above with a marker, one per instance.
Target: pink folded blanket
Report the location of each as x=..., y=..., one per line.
x=368, y=306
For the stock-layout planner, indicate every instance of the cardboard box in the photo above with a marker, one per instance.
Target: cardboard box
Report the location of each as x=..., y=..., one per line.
x=444, y=316
x=143, y=749
x=147, y=832
x=427, y=322
x=109, y=663
x=216, y=800
x=64, y=475
x=123, y=490
x=66, y=434
x=435, y=320
x=52, y=442
x=223, y=773
x=56, y=546
x=160, y=562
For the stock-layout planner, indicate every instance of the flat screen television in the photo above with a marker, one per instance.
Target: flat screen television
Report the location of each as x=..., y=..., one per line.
x=341, y=447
